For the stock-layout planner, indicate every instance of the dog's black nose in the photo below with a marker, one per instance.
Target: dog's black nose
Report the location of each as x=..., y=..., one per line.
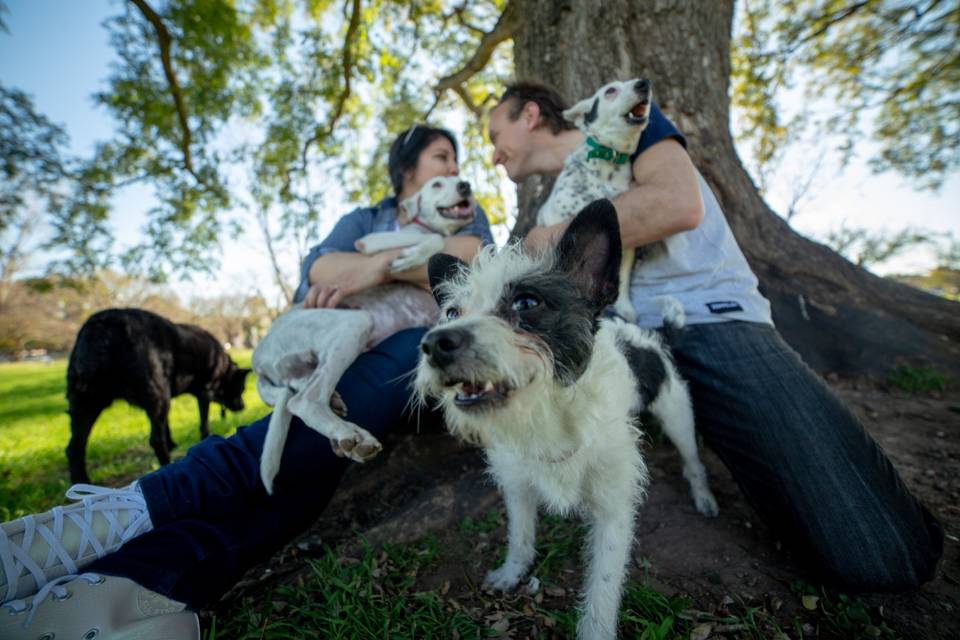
x=443, y=345
x=642, y=86
x=463, y=188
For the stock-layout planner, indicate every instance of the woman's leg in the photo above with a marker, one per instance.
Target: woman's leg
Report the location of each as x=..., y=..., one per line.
x=212, y=518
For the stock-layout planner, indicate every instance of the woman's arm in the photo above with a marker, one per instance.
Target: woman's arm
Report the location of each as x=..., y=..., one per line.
x=336, y=275
x=464, y=247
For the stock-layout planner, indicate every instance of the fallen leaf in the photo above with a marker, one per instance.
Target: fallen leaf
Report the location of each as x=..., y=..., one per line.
x=701, y=631
x=810, y=602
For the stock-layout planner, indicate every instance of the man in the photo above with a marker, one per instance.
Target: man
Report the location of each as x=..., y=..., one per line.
x=798, y=453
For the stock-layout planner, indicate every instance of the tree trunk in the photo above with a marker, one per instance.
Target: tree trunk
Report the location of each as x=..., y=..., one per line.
x=838, y=316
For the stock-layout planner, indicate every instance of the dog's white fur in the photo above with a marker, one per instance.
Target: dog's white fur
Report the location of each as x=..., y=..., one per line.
x=569, y=447
x=423, y=235
x=303, y=356
x=584, y=179
x=672, y=407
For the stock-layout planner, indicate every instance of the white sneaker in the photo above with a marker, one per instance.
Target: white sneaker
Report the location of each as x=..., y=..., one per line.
x=38, y=548
x=92, y=606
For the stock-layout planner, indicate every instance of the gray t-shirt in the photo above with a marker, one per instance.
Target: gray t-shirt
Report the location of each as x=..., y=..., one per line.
x=704, y=268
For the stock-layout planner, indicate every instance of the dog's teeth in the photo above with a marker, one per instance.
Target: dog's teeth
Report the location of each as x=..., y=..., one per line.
x=488, y=387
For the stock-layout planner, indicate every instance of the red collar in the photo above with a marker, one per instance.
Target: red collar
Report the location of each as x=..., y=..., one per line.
x=417, y=221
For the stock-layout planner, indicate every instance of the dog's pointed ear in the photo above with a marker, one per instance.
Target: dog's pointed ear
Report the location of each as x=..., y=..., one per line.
x=441, y=269
x=589, y=252
x=583, y=113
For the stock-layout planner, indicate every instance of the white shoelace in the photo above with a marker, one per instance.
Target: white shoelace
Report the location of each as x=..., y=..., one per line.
x=16, y=557
x=53, y=587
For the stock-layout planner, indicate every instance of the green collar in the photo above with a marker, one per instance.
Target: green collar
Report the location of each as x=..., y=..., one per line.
x=597, y=150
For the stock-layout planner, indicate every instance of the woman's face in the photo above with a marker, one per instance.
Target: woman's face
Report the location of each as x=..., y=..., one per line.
x=436, y=159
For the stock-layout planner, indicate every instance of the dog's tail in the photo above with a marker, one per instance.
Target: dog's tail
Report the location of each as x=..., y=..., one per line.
x=674, y=317
x=275, y=440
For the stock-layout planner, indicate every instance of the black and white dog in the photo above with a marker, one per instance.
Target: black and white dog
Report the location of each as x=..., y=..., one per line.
x=612, y=120
x=523, y=365
x=303, y=356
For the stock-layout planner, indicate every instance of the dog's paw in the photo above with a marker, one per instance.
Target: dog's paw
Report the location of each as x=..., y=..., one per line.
x=360, y=447
x=503, y=579
x=408, y=258
x=706, y=504
x=337, y=404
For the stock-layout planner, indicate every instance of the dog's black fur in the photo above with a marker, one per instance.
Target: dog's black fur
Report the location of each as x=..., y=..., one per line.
x=146, y=360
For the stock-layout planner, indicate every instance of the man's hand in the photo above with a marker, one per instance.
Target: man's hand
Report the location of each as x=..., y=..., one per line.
x=542, y=238
x=340, y=283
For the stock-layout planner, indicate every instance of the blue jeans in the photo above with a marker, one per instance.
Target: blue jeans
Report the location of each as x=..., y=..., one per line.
x=800, y=456
x=212, y=517
x=804, y=461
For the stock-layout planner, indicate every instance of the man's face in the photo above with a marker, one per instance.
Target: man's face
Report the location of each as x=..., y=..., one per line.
x=511, y=139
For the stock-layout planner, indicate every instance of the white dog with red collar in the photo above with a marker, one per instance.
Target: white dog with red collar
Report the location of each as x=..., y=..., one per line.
x=303, y=356
x=443, y=206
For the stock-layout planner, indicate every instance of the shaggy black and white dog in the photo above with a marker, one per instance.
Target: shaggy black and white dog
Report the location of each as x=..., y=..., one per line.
x=523, y=365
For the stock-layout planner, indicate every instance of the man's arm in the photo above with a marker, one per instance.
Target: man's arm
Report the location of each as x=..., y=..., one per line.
x=335, y=276
x=663, y=200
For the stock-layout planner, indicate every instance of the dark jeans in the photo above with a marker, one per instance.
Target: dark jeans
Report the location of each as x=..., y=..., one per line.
x=804, y=461
x=212, y=518
x=798, y=453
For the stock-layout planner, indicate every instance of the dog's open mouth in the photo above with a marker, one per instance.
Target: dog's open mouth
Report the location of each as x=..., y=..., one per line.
x=460, y=211
x=476, y=395
x=638, y=114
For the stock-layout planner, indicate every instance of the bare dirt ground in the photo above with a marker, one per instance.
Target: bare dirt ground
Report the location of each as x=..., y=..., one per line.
x=427, y=484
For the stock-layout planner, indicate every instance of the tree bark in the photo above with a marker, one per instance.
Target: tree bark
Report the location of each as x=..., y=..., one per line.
x=840, y=317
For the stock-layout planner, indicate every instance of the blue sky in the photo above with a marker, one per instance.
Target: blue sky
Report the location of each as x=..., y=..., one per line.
x=58, y=51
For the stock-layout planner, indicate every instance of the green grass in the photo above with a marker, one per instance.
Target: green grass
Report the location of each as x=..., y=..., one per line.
x=35, y=429
x=421, y=591
x=339, y=598
x=418, y=590
x=917, y=379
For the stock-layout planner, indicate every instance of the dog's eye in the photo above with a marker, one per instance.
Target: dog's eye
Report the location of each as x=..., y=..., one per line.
x=525, y=301
x=453, y=313
x=611, y=91
x=437, y=184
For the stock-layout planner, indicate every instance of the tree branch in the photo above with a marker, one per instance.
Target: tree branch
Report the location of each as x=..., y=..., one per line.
x=165, y=39
x=345, y=92
x=501, y=31
x=263, y=221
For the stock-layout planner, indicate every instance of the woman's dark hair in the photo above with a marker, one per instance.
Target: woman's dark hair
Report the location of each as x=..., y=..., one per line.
x=405, y=150
x=552, y=105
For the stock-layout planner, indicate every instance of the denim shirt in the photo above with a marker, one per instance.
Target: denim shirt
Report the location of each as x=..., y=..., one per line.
x=364, y=220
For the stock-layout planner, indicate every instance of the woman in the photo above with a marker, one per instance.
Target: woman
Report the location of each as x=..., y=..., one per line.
x=192, y=528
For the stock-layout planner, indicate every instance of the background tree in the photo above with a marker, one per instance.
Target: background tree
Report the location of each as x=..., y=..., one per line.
x=894, y=67
x=278, y=107
x=840, y=317
x=33, y=172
